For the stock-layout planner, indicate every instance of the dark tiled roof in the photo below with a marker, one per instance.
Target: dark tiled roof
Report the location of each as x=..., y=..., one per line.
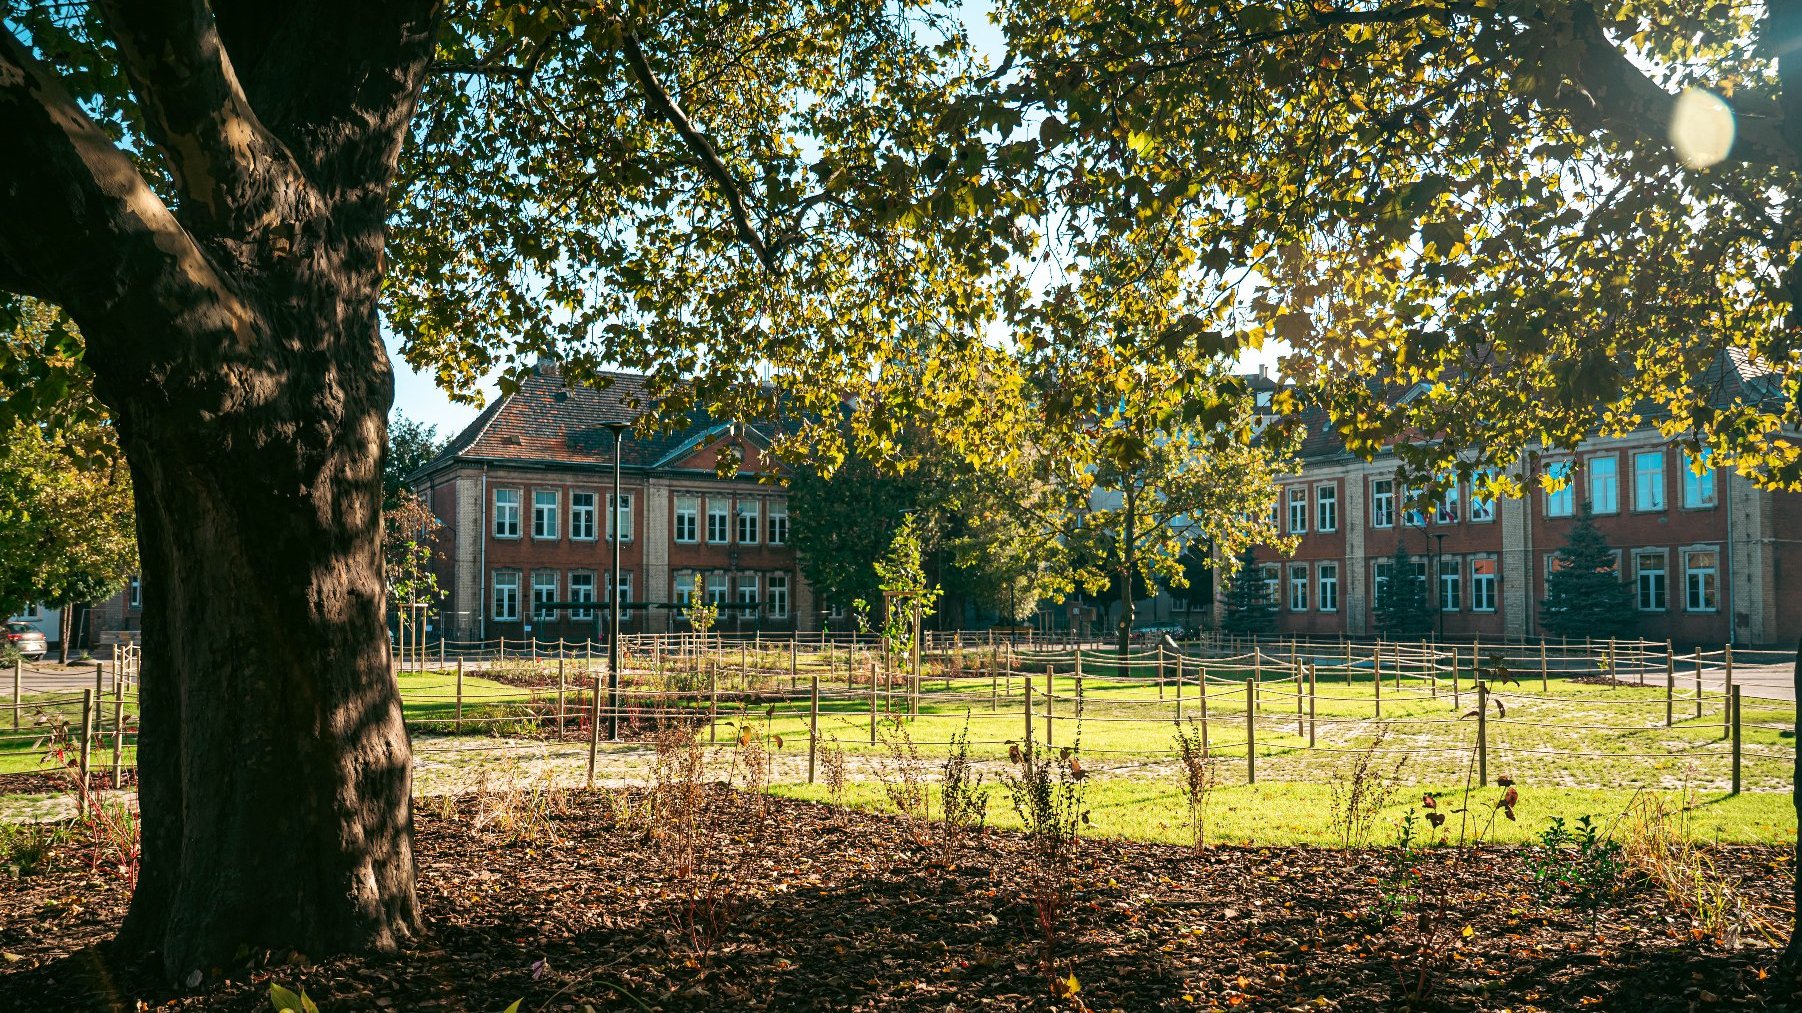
x=548, y=422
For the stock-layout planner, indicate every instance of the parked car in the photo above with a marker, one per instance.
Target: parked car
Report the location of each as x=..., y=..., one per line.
x=27, y=640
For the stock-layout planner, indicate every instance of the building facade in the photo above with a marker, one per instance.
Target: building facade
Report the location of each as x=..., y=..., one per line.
x=523, y=498
x=1710, y=557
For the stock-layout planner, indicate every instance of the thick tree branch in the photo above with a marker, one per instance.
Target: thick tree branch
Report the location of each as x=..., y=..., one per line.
x=82, y=228
x=698, y=143
x=237, y=178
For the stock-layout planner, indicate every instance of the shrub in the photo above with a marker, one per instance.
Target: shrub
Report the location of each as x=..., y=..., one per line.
x=963, y=801
x=1200, y=776
x=1047, y=794
x=903, y=776
x=1363, y=790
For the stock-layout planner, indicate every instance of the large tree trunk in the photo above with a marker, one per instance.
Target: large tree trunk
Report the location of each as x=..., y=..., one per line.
x=274, y=767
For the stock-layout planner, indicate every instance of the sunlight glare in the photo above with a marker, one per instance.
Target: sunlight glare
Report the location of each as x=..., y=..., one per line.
x=1701, y=128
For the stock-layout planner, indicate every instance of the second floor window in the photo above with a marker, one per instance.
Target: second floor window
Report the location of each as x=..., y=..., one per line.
x=1698, y=486
x=1648, y=480
x=1413, y=513
x=747, y=522
x=1298, y=511
x=621, y=520
x=1326, y=508
x=778, y=523
x=544, y=513
x=718, y=531
x=1445, y=508
x=506, y=513
x=1652, y=584
x=1560, y=502
x=1482, y=499
x=1329, y=587
x=1605, y=484
x=581, y=516
x=1382, y=503
x=688, y=513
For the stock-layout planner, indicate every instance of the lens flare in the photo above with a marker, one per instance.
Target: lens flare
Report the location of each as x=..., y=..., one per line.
x=1701, y=128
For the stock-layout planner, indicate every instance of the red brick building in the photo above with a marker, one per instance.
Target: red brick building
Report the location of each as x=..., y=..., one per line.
x=523, y=496
x=1710, y=557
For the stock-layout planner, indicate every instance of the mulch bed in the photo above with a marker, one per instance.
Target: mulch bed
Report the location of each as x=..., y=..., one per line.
x=52, y=782
x=843, y=911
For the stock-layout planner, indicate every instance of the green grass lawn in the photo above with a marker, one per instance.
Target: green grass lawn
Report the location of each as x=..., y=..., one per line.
x=1276, y=814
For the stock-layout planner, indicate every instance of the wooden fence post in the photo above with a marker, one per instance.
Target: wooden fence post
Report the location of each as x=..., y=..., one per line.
x=1376, y=685
x=872, y=701
x=1545, y=671
x=459, y=695
x=1201, y=701
x=1670, y=687
x=561, y=711
x=1482, y=733
x=1733, y=708
x=813, y=723
x=1300, y=726
x=1051, y=696
x=1698, y=682
x=1312, y=685
x=1251, y=732
x=1027, y=711
x=794, y=665
x=87, y=735
x=1727, y=690
x=118, y=729
x=18, y=689
x=713, y=701
x=1179, y=688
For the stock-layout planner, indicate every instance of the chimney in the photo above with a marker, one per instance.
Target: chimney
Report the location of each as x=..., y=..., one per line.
x=1264, y=370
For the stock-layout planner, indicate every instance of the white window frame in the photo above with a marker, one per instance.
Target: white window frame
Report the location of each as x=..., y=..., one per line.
x=508, y=581
x=1482, y=508
x=556, y=582
x=1451, y=577
x=777, y=521
x=1561, y=502
x=1326, y=575
x=1641, y=573
x=1382, y=502
x=134, y=593
x=682, y=588
x=1700, y=492
x=723, y=515
x=582, y=516
x=1298, y=587
x=1445, y=505
x=1599, y=480
x=1711, y=583
x=1380, y=572
x=622, y=514
x=1272, y=576
x=581, y=588
x=541, y=512
x=717, y=588
x=1485, y=599
x=506, y=514
x=688, y=519
x=1413, y=514
x=1298, y=510
x=623, y=588
x=1326, y=507
x=1658, y=497
x=778, y=595
x=746, y=582
x=748, y=509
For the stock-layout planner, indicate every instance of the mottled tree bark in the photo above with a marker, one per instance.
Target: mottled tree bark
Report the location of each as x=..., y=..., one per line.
x=233, y=332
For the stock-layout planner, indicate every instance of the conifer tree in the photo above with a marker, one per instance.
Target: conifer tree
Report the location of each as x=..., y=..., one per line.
x=1249, y=608
x=1585, y=595
x=1402, y=611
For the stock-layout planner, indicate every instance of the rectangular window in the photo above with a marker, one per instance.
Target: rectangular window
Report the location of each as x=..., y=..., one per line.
x=1698, y=486
x=1482, y=584
x=1298, y=511
x=1648, y=480
x=1701, y=580
x=544, y=592
x=506, y=596
x=1445, y=505
x=1326, y=508
x=716, y=589
x=747, y=595
x=581, y=588
x=1379, y=578
x=624, y=588
x=778, y=515
x=1382, y=503
x=1651, y=581
x=1298, y=587
x=506, y=513
x=747, y=522
x=684, y=585
x=688, y=512
x=1451, y=585
x=1605, y=484
x=621, y=520
x=778, y=596
x=1482, y=498
x=581, y=516
x=1329, y=587
x=1413, y=513
x=544, y=513
x=718, y=523
x=1273, y=583
x=135, y=598
x=1561, y=502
